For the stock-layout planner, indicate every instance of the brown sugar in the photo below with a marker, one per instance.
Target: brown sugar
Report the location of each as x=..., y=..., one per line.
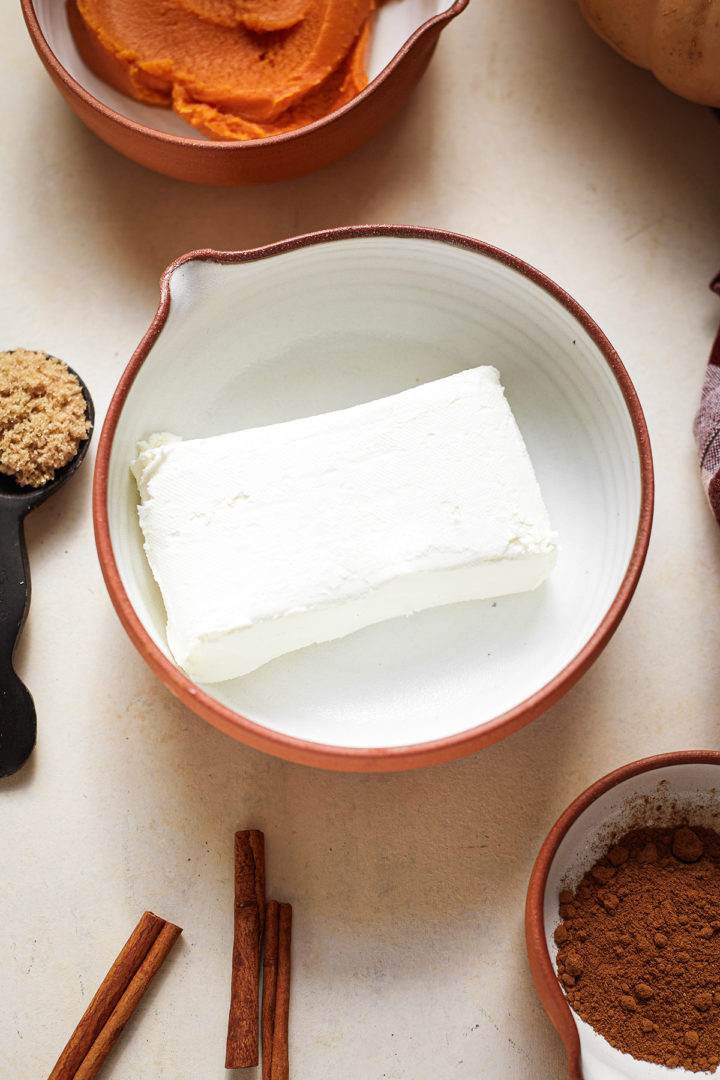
x=639, y=946
x=43, y=416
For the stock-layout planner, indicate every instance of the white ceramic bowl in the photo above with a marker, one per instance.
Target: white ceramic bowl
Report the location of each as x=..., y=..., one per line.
x=655, y=792
x=333, y=319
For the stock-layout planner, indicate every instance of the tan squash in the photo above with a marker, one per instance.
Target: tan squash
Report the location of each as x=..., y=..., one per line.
x=678, y=40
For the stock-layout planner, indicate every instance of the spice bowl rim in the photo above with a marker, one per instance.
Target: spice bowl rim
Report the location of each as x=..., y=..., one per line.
x=318, y=752
x=543, y=972
x=147, y=144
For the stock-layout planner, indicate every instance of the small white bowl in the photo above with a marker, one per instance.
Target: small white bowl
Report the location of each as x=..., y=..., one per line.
x=655, y=792
x=329, y=320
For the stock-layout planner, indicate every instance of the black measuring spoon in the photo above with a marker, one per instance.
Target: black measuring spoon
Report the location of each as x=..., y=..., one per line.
x=18, y=723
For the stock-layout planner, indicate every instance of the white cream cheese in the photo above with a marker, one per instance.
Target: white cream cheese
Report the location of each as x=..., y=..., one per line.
x=266, y=540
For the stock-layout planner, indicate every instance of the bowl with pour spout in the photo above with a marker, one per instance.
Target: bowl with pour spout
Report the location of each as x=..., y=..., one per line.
x=368, y=312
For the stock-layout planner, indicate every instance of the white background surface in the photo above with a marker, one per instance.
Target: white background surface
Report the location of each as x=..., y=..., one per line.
x=408, y=889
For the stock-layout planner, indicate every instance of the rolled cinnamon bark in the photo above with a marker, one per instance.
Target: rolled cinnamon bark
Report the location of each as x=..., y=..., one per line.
x=116, y=999
x=269, y=991
x=276, y=992
x=242, y=1049
x=281, y=1049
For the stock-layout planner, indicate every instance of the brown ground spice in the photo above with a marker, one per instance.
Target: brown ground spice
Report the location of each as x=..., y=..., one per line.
x=43, y=416
x=639, y=946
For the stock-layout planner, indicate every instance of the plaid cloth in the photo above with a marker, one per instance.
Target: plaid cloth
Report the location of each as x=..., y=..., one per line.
x=707, y=423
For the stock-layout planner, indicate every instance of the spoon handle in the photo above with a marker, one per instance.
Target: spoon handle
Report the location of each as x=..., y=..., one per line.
x=18, y=723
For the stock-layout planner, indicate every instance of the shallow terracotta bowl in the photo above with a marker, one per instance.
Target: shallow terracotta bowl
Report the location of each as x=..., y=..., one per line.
x=656, y=791
x=404, y=38
x=332, y=319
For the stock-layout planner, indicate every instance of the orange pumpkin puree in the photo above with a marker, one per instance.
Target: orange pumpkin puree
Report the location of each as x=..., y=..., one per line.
x=235, y=69
x=257, y=15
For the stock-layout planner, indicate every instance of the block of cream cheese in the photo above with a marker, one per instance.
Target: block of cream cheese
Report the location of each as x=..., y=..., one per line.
x=267, y=540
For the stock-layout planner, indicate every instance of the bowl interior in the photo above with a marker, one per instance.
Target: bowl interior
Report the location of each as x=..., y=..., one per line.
x=658, y=797
x=396, y=21
x=329, y=325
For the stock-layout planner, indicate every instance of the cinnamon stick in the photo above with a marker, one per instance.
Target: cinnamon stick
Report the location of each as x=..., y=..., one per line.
x=242, y=1049
x=280, y=1056
x=276, y=992
x=117, y=997
x=269, y=991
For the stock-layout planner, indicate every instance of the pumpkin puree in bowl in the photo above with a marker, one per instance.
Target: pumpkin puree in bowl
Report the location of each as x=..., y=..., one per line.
x=235, y=69
x=257, y=15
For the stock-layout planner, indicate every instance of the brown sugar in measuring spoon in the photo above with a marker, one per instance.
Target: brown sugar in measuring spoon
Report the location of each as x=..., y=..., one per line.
x=37, y=394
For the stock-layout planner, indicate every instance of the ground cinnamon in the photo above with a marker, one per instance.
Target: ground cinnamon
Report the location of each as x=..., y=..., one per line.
x=639, y=946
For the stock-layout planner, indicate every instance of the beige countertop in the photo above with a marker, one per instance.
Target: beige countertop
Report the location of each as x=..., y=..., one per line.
x=408, y=889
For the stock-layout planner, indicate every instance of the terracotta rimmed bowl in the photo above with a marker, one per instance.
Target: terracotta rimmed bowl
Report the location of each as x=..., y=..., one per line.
x=329, y=320
x=656, y=791
x=404, y=38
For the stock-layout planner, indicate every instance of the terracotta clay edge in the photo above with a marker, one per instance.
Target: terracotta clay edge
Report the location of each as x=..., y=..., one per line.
x=377, y=759
x=546, y=982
